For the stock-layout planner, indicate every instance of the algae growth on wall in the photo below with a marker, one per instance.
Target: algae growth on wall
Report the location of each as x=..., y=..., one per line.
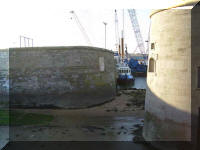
x=65, y=77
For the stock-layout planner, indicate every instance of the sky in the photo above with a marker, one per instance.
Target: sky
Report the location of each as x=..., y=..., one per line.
x=49, y=22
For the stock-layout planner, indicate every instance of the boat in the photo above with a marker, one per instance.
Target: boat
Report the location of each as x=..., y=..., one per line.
x=138, y=68
x=125, y=78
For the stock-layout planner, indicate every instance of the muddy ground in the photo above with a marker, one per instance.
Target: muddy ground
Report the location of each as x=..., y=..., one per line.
x=113, y=121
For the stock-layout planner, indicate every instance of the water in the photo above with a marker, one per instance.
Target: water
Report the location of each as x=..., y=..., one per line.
x=140, y=83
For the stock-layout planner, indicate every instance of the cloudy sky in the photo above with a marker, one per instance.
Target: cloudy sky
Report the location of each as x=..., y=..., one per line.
x=48, y=21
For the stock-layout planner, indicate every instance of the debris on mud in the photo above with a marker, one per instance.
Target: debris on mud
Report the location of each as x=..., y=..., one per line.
x=112, y=109
x=93, y=128
x=138, y=138
x=137, y=97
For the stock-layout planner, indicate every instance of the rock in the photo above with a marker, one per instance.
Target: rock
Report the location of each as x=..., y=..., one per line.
x=103, y=133
x=33, y=130
x=128, y=104
x=119, y=94
x=138, y=131
x=115, y=109
x=32, y=135
x=137, y=125
x=40, y=129
x=92, y=128
x=138, y=139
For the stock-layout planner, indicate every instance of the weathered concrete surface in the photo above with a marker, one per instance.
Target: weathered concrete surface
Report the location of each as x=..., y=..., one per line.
x=172, y=88
x=4, y=79
x=168, y=95
x=66, y=77
x=195, y=63
x=4, y=136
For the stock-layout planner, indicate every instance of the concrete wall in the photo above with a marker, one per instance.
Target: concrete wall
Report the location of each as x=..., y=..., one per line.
x=168, y=96
x=195, y=63
x=172, y=103
x=66, y=77
x=4, y=79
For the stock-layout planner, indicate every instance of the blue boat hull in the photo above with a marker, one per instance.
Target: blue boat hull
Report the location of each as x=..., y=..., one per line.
x=125, y=82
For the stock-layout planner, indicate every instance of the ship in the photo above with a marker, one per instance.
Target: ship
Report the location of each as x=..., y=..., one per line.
x=124, y=78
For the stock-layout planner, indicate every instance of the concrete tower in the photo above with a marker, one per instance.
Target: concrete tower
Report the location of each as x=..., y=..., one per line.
x=173, y=78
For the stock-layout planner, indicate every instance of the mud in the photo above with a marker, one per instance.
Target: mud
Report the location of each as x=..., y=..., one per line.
x=113, y=121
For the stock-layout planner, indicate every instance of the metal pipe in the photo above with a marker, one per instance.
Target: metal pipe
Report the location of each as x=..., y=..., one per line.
x=122, y=45
x=24, y=41
x=20, y=41
x=32, y=42
x=105, y=33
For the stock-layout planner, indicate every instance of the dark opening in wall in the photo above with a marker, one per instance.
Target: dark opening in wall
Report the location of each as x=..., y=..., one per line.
x=152, y=46
x=198, y=77
x=152, y=65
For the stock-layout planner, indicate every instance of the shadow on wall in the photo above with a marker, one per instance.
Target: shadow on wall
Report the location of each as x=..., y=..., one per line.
x=167, y=127
x=166, y=124
x=195, y=63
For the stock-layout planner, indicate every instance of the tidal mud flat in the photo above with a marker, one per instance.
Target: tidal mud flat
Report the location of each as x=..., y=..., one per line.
x=112, y=121
x=117, y=120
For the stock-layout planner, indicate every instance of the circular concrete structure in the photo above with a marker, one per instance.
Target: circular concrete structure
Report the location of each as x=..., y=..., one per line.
x=64, y=77
x=168, y=95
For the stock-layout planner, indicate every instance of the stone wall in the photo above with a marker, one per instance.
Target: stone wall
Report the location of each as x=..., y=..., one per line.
x=65, y=77
x=4, y=79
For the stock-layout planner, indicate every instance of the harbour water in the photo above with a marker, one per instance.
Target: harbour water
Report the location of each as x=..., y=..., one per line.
x=139, y=83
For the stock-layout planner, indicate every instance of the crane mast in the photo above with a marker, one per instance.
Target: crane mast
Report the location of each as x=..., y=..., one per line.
x=117, y=34
x=122, y=37
x=148, y=40
x=81, y=28
x=136, y=30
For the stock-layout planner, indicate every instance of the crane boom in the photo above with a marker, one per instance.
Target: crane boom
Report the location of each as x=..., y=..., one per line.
x=148, y=40
x=117, y=34
x=136, y=29
x=81, y=28
x=116, y=28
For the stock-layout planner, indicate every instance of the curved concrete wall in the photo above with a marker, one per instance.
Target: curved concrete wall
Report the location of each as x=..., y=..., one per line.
x=172, y=106
x=66, y=77
x=168, y=96
x=195, y=63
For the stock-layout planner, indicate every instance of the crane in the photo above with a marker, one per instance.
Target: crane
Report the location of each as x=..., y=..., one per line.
x=117, y=33
x=136, y=29
x=148, y=40
x=81, y=28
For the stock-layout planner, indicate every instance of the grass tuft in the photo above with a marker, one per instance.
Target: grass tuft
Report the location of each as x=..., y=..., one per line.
x=22, y=118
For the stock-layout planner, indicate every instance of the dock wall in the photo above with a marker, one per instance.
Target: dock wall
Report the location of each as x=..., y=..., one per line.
x=64, y=77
